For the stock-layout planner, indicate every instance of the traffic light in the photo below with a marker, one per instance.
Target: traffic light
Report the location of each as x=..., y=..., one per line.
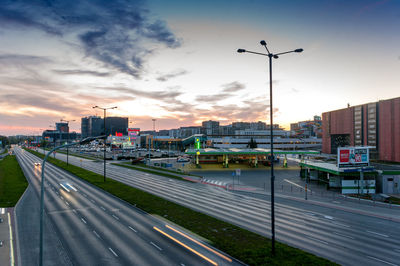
x=197, y=144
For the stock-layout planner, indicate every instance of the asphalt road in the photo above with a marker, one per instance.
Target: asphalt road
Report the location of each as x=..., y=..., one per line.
x=95, y=228
x=342, y=231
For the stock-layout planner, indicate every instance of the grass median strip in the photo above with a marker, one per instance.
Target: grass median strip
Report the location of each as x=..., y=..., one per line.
x=150, y=171
x=12, y=181
x=242, y=244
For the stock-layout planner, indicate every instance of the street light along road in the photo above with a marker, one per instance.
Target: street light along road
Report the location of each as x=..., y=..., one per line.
x=270, y=56
x=67, y=121
x=105, y=138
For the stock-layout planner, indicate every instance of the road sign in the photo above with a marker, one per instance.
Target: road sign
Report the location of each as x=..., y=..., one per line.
x=238, y=172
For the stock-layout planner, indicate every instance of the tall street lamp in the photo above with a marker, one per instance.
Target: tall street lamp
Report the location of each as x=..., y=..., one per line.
x=104, y=124
x=275, y=56
x=67, y=121
x=41, y=230
x=154, y=130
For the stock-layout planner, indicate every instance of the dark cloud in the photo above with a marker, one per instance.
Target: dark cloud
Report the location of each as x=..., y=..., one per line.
x=112, y=32
x=213, y=98
x=19, y=100
x=233, y=86
x=161, y=95
x=81, y=72
x=171, y=75
x=20, y=59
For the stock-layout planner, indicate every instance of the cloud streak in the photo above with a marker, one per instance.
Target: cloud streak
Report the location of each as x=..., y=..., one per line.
x=171, y=75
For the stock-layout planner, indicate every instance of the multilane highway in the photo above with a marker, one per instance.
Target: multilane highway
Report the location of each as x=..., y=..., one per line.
x=96, y=228
x=344, y=232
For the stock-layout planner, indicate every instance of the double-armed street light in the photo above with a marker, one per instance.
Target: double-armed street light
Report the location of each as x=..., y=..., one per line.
x=104, y=124
x=67, y=121
x=270, y=56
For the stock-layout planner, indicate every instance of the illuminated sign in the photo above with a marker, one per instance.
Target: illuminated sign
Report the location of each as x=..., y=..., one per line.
x=133, y=133
x=353, y=157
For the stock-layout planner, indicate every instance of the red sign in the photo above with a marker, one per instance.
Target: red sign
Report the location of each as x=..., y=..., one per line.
x=118, y=134
x=344, y=156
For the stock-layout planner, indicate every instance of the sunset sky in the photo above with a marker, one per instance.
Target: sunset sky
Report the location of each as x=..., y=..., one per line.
x=176, y=61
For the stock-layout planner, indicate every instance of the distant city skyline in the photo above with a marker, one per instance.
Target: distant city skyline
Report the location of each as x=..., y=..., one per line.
x=176, y=61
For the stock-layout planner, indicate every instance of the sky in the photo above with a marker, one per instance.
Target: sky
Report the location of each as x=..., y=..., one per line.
x=175, y=61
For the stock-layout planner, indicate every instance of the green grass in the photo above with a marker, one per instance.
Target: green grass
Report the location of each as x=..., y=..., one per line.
x=12, y=181
x=162, y=169
x=150, y=171
x=242, y=244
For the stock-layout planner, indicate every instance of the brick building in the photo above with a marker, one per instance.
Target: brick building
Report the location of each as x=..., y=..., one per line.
x=374, y=124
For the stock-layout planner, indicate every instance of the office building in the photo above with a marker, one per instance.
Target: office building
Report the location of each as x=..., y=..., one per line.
x=375, y=124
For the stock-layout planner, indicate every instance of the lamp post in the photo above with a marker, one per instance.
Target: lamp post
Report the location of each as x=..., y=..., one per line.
x=104, y=124
x=154, y=130
x=270, y=56
x=42, y=192
x=67, y=121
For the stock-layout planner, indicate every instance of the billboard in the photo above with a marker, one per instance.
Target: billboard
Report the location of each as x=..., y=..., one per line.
x=353, y=157
x=133, y=133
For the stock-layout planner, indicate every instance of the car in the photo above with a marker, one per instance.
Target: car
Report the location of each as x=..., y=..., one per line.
x=67, y=186
x=182, y=160
x=37, y=164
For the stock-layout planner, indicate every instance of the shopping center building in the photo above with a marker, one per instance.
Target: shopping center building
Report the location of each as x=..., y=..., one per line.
x=375, y=124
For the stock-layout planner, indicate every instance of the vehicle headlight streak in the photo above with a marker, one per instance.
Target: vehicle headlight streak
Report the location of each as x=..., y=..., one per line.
x=185, y=246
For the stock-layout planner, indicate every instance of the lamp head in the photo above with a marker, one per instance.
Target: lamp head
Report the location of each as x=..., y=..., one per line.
x=241, y=50
x=95, y=106
x=298, y=50
x=276, y=57
x=263, y=43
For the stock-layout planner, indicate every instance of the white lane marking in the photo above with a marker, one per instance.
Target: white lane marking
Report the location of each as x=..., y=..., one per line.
x=83, y=220
x=328, y=217
x=132, y=229
x=113, y=252
x=74, y=211
x=397, y=250
x=297, y=185
x=337, y=202
x=92, y=201
x=344, y=225
x=11, y=240
x=378, y=234
x=156, y=246
x=61, y=197
x=94, y=232
x=84, y=195
x=336, y=233
x=66, y=203
x=104, y=209
x=314, y=239
x=381, y=260
x=183, y=264
x=116, y=217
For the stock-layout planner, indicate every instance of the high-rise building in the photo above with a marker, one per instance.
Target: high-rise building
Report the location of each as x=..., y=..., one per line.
x=62, y=127
x=374, y=124
x=116, y=125
x=210, y=127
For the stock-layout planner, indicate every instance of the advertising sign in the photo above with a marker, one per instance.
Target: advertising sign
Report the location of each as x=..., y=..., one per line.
x=353, y=157
x=133, y=133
